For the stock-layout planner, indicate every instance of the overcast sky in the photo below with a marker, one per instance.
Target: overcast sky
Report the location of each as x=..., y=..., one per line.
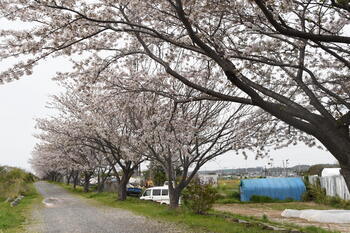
x=24, y=100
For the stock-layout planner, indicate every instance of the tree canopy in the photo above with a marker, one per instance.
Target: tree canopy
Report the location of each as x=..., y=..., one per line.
x=289, y=59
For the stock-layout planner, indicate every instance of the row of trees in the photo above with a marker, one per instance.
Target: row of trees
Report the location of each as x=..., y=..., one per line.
x=104, y=129
x=288, y=59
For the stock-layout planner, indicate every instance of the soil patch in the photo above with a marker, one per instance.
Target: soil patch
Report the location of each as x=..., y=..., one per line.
x=269, y=209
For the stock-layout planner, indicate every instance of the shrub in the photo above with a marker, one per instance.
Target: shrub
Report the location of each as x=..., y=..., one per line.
x=14, y=182
x=266, y=199
x=236, y=195
x=314, y=193
x=199, y=198
x=264, y=218
x=261, y=199
x=317, y=194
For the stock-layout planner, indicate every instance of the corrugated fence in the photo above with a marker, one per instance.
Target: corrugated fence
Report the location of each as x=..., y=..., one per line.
x=334, y=186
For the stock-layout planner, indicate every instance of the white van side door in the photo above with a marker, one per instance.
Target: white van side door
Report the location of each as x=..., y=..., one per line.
x=156, y=195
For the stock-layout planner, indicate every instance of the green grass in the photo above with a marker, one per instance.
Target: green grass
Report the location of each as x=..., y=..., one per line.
x=12, y=219
x=192, y=222
x=214, y=222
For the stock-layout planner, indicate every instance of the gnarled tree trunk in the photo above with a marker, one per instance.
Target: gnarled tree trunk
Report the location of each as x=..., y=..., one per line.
x=122, y=186
x=122, y=194
x=75, y=179
x=174, y=196
x=87, y=177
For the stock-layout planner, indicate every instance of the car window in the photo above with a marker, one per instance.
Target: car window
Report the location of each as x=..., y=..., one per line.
x=156, y=192
x=165, y=192
x=147, y=192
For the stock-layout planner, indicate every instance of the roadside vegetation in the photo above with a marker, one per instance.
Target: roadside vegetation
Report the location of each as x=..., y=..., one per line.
x=211, y=221
x=318, y=195
x=13, y=183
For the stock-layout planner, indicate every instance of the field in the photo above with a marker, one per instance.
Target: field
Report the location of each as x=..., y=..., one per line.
x=228, y=191
x=229, y=202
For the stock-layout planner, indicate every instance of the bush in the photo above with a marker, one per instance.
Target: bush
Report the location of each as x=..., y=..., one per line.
x=314, y=192
x=261, y=199
x=236, y=195
x=14, y=182
x=199, y=198
x=317, y=194
x=266, y=199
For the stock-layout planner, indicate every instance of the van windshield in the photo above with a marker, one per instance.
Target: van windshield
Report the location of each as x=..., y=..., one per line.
x=147, y=193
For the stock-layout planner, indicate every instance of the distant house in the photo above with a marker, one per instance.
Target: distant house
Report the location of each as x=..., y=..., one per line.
x=276, y=188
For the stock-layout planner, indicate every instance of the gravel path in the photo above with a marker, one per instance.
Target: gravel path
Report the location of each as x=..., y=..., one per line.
x=67, y=213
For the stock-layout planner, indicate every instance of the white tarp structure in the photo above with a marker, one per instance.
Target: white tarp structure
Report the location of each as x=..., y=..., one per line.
x=330, y=172
x=325, y=216
x=334, y=185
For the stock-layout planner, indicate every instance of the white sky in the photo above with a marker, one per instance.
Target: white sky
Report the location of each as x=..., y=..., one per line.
x=24, y=100
x=21, y=102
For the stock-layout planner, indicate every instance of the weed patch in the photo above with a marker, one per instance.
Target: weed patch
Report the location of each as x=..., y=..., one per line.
x=13, y=218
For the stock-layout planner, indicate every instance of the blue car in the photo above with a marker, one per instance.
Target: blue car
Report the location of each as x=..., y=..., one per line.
x=133, y=191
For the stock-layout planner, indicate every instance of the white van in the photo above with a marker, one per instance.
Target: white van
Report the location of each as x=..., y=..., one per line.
x=159, y=194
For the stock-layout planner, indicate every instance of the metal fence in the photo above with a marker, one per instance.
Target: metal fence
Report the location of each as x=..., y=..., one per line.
x=334, y=185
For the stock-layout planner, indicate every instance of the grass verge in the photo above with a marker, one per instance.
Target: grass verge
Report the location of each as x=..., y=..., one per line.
x=12, y=219
x=192, y=222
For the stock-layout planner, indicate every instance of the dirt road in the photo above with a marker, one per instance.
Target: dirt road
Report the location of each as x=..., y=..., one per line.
x=67, y=213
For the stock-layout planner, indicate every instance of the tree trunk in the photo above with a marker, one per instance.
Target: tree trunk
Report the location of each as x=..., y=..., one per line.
x=122, y=185
x=345, y=171
x=336, y=140
x=69, y=177
x=101, y=184
x=87, y=176
x=100, y=188
x=99, y=181
x=174, y=195
x=122, y=193
x=76, y=178
x=122, y=189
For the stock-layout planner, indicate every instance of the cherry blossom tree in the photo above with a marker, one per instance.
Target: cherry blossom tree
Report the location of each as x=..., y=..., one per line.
x=289, y=58
x=183, y=137
x=92, y=126
x=44, y=163
x=56, y=141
